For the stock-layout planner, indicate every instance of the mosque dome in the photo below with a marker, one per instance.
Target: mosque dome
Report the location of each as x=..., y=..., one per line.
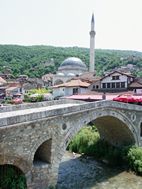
x=72, y=63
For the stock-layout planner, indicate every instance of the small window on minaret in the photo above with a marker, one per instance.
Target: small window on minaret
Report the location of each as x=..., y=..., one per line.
x=141, y=130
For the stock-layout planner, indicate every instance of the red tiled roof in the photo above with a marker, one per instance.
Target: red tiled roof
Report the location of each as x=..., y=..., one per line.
x=14, y=84
x=135, y=84
x=73, y=83
x=122, y=73
x=2, y=81
x=11, y=88
x=88, y=77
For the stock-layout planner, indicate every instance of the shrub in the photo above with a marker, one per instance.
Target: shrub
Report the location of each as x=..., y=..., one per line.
x=87, y=141
x=11, y=178
x=135, y=159
x=84, y=141
x=27, y=98
x=39, y=91
x=37, y=98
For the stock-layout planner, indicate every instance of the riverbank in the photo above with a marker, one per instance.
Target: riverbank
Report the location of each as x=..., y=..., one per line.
x=77, y=172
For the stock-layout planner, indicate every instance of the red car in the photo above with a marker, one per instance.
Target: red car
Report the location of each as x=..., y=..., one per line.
x=127, y=98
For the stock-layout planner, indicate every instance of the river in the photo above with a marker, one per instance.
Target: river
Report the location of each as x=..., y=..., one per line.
x=77, y=172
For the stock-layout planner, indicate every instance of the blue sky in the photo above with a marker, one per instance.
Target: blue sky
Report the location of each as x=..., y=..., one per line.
x=118, y=23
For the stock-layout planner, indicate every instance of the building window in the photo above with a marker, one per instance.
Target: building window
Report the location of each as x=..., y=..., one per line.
x=104, y=85
x=113, y=85
x=20, y=90
x=117, y=85
x=122, y=84
x=115, y=77
x=94, y=86
x=97, y=86
x=108, y=85
x=75, y=91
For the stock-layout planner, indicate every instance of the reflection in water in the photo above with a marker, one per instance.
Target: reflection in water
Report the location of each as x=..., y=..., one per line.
x=86, y=173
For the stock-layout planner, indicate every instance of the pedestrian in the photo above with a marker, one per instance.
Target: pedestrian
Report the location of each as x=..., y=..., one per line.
x=104, y=96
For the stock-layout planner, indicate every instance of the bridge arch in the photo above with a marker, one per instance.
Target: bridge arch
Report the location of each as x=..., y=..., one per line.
x=12, y=175
x=103, y=118
x=16, y=161
x=41, y=151
x=58, y=82
x=107, y=121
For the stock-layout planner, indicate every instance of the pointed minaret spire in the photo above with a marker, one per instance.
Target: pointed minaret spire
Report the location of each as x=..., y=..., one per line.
x=92, y=45
x=92, y=22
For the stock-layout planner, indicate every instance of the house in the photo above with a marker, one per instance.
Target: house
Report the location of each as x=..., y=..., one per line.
x=96, y=84
x=11, y=91
x=116, y=81
x=37, y=83
x=2, y=92
x=3, y=82
x=88, y=77
x=47, y=79
x=70, y=88
x=6, y=76
x=136, y=86
x=12, y=88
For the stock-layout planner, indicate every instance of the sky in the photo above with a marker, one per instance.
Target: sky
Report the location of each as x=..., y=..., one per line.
x=67, y=23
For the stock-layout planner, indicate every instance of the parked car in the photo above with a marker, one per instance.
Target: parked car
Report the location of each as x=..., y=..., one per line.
x=128, y=98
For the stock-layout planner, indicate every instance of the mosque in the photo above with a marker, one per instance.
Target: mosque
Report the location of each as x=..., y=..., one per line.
x=75, y=67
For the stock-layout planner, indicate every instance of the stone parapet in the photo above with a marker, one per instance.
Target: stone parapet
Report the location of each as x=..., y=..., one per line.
x=9, y=108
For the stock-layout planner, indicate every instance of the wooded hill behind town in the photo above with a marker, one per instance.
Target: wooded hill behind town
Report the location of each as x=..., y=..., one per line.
x=36, y=61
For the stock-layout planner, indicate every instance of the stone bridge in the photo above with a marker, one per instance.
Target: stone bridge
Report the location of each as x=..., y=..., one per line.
x=34, y=137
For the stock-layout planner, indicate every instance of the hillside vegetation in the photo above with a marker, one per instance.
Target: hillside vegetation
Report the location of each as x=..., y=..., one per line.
x=36, y=61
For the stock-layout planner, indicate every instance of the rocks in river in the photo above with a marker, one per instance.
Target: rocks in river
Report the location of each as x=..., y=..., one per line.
x=85, y=173
x=105, y=161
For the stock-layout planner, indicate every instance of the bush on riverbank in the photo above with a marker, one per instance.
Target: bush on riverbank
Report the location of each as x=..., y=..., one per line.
x=88, y=142
x=12, y=178
x=84, y=141
x=135, y=159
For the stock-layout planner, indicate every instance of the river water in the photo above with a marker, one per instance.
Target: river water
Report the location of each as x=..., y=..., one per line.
x=77, y=172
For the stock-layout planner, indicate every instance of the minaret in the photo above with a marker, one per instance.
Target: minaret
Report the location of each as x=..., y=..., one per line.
x=92, y=46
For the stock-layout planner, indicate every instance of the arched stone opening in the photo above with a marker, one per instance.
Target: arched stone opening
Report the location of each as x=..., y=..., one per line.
x=113, y=126
x=58, y=82
x=114, y=131
x=12, y=177
x=43, y=153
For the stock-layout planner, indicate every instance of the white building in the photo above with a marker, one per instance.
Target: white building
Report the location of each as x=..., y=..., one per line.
x=70, y=88
x=116, y=81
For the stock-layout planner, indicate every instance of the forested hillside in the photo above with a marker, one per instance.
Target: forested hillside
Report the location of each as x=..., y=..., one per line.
x=36, y=61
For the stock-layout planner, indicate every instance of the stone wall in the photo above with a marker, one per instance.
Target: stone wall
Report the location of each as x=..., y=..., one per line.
x=9, y=108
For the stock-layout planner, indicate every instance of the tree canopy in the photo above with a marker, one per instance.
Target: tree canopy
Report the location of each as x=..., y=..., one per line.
x=36, y=61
